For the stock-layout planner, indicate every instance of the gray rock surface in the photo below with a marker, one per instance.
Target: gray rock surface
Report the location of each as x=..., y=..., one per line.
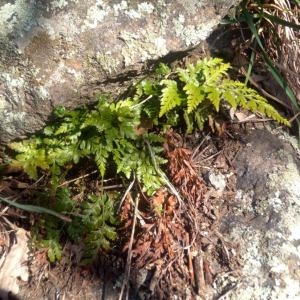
x=64, y=52
x=265, y=220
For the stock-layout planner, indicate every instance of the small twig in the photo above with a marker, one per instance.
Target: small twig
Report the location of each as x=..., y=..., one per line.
x=201, y=286
x=127, y=192
x=114, y=186
x=80, y=177
x=129, y=255
x=40, y=179
x=190, y=263
x=294, y=117
x=12, y=226
x=198, y=147
x=142, y=102
x=202, y=151
x=251, y=119
x=211, y=156
x=4, y=211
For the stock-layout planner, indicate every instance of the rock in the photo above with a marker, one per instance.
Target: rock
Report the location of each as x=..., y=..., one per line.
x=217, y=180
x=65, y=52
x=265, y=219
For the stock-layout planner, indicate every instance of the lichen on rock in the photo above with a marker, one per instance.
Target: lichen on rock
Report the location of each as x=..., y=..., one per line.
x=265, y=220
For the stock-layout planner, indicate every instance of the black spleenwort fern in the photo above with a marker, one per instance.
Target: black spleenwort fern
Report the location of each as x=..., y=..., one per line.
x=108, y=135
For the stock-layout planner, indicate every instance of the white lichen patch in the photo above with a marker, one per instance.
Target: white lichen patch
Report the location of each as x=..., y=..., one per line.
x=95, y=15
x=57, y=75
x=14, y=95
x=16, y=18
x=143, y=9
x=13, y=120
x=269, y=248
x=63, y=73
x=117, y=8
x=192, y=34
x=143, y=45
x=58, y=4
x=42, y=92
x=77, y=76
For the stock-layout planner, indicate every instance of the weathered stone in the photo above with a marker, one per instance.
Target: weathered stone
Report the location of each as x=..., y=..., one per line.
x=265, y=220
x=63, y=52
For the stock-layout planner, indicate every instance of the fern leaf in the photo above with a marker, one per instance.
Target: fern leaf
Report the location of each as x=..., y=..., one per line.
x=238, y=94
x=195, y=96
x=189, y=122
x=214, y=70
x=151, y=108
x=170, y=96
x=229, y=96
x=183, y=75
x=213, y=94
x=101, y=159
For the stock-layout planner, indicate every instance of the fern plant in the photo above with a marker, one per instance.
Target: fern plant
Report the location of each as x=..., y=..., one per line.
x=93, y=223
x=197, y=92
x=106, y=135
x=109, y=136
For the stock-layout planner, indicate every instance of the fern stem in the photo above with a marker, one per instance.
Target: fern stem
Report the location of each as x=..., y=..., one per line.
x=142, y=102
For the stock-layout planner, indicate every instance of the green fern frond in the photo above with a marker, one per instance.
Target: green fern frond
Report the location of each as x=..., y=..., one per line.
x=195, y=96
x=32, y=156
x=238, y=94
x=214, y=96
x=214, y=70
x=170, y=96
x=151, y=109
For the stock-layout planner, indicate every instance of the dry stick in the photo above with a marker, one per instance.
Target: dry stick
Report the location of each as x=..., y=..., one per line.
x=294, y=117
x=129, y=255
x=127, y=192
x=211, y=156
x=111, y=187
x=190, y=263
x=198, y=147
x=251, y=120
x=80, y=177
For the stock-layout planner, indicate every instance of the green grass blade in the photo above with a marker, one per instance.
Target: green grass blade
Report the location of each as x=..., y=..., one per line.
x=36, y=209
x=250, y=66
x=252, y=27
x=278, y=77
x=273, y=70
x=280, y=21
